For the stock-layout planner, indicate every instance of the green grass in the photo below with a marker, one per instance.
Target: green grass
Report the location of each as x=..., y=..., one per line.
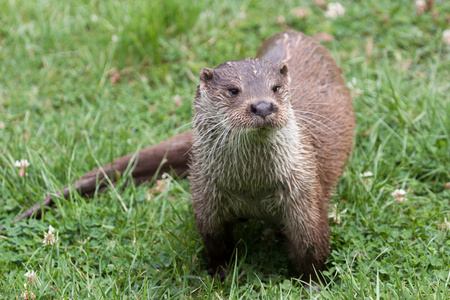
x=61, y=112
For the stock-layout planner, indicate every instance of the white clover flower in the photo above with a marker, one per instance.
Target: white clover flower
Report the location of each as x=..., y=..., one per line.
x=420, y=3
x=421, y=6
x=334, y=10
x=23, y=163
x=366, y=174
x=398, y=194
x=49, y=237
x=446, y=36
x=301, y=12
x=28, y=295
x=31, y=275
x=114, y=38
x=94, y=18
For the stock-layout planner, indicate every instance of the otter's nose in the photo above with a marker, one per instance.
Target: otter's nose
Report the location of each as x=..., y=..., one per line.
x=262, y=108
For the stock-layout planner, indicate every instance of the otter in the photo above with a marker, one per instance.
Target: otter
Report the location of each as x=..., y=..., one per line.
x=271, y=137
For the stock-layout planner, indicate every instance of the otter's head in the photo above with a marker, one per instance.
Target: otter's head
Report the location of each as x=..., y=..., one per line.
x=244, y=95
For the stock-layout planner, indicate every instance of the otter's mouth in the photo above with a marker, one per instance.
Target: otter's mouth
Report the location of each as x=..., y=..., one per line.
x=266, y=124
x=262, y=129
x=253, y=123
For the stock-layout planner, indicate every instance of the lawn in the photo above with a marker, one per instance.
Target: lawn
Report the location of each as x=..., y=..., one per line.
x=83, y=82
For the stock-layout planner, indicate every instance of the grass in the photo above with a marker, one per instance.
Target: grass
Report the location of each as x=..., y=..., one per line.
x=86, y=81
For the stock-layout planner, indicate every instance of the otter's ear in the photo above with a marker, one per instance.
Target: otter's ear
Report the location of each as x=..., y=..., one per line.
x=206, y=74
x=283, y=70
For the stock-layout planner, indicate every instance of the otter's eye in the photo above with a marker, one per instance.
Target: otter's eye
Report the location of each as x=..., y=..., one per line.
x=276, y=89
x=234, y=92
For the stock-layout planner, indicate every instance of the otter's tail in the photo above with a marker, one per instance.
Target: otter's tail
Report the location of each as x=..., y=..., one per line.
x=169, y=156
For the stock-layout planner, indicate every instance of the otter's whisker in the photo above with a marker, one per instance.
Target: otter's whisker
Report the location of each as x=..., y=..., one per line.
x=319, y=115
x=318, y=124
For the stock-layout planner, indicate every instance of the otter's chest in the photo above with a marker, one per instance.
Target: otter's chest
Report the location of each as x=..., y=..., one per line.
x=263, y=204
x=256, y=171
x=252, y=183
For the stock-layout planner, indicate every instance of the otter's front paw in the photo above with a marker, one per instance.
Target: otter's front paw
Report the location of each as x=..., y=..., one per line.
x=219, y=271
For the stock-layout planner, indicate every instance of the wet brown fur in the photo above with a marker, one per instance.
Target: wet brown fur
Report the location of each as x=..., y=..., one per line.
x=279, y=168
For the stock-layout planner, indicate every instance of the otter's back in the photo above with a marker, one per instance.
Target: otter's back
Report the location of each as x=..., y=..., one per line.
x=320, y=98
